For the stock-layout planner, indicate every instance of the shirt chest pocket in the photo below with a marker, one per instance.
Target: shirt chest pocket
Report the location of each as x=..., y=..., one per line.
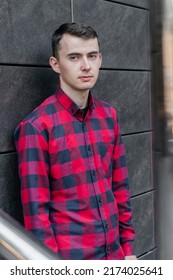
x=60, y=158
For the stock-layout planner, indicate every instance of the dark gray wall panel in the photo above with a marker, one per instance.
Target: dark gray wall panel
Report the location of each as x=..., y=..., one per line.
x=143, y=219
x=123, y=33
x=128, y=92
x=10, y=186
x=27, y=27
x=137, y=3
x=21, y=90
x=138, y=149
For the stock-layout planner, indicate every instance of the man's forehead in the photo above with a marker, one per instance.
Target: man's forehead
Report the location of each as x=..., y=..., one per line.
x=71, y=42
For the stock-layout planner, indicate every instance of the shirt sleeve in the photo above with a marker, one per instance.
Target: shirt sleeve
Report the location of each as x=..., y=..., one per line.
x=33, y=163
x=122, y=194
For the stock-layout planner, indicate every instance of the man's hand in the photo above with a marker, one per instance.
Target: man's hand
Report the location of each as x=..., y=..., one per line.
x=132, y=257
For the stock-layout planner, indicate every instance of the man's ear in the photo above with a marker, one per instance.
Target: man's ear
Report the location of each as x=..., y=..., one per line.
x=54, y=64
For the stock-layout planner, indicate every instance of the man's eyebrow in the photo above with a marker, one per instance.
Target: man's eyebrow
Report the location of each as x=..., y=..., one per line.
x=76, y=53
x=73, y=53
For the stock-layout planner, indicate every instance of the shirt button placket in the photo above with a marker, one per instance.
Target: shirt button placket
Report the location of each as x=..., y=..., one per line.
x=99, y=201
x=93, y=174
x=89, y=148
x=107, y=250
x=106, y=226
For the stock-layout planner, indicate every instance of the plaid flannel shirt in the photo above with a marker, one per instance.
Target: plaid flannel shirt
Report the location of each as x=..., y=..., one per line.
x=74, y=180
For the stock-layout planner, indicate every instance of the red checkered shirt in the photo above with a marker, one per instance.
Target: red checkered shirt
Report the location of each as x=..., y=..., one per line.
x=74, y=180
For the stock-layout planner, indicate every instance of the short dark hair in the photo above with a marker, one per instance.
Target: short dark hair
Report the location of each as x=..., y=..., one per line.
x=75, y=29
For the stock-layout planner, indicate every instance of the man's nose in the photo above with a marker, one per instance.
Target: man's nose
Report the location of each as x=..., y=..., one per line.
x=85, y=64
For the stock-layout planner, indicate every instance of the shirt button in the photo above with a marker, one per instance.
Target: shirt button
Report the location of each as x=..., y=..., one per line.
x=94, y=173
x=89, y=148
x=106, y=226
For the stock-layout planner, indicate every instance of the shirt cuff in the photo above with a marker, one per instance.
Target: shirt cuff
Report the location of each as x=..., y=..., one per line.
x=128, y=248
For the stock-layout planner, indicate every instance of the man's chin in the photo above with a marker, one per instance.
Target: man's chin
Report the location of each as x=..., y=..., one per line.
x=87, y=86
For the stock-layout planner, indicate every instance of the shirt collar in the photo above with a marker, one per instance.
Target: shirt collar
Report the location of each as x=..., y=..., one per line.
x=69, y=104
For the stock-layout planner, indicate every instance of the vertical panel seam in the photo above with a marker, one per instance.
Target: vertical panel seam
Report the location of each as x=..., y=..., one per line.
x=72, y=12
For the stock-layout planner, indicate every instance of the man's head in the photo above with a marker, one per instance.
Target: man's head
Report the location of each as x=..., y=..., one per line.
x=75, y=29
x=76, y=57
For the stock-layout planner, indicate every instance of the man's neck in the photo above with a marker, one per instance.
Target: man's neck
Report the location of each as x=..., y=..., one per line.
x=79, y=97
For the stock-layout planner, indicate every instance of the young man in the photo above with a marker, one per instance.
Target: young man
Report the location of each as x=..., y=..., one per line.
x=74, y=181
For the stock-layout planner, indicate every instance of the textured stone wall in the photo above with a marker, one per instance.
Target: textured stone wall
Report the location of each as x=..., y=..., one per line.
x=26, y=80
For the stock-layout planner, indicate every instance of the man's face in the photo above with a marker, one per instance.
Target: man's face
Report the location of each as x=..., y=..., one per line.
x=78, y=63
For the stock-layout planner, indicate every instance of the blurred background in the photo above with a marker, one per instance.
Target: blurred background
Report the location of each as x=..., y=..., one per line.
x=163, y=124
x=136, y=77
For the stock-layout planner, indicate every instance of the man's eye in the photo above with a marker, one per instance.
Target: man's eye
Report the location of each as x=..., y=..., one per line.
x=73, y=57
x=92, y=56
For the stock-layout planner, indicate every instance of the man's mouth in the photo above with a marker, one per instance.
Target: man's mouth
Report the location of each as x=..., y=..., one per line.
x=85, y=78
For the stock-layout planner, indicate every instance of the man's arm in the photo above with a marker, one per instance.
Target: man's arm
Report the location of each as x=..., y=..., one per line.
x=33, y=161
x=122, y=194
